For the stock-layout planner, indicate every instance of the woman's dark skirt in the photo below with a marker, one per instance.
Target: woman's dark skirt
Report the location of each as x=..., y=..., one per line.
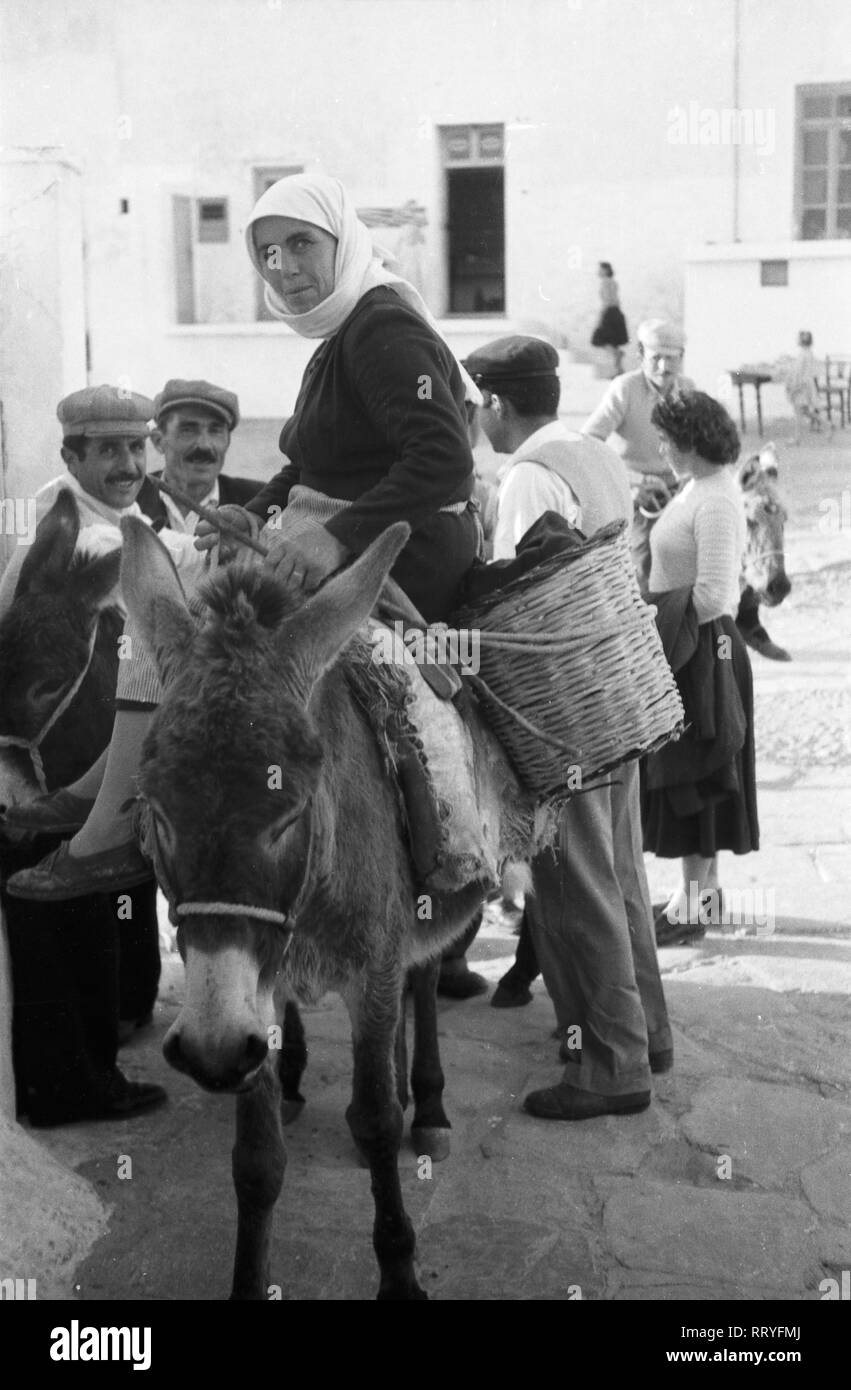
x=611, y=331
x=722, y=819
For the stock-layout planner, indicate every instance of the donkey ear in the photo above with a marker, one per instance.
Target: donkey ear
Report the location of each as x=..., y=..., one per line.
x=153, y=595
x=749, y=472
x=317, y=633
x=95, y=584
x=50, y=555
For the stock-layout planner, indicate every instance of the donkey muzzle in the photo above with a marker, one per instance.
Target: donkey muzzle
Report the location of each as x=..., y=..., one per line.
x=220, y=1037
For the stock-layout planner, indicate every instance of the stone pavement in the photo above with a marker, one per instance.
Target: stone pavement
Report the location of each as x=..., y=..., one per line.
x=734, y=1185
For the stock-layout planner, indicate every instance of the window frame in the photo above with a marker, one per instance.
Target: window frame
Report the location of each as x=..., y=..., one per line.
x=474, y=159
x=832, y=125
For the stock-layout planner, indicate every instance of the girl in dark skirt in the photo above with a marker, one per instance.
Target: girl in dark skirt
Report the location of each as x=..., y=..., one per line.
x=700, y=793
x=611, y=330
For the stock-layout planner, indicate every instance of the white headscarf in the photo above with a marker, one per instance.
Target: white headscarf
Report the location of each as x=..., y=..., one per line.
x=360, y=264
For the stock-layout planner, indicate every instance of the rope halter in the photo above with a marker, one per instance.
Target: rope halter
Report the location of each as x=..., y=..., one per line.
x=284, y=921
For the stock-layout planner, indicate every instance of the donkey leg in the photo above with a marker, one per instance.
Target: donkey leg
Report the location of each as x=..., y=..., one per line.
x=259, y=1161
x=375, y=1120
x=292, y=1062
x=430, y=1127
x=402, y=1050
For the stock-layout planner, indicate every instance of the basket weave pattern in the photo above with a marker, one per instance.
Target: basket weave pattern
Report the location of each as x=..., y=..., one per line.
x=572, y=649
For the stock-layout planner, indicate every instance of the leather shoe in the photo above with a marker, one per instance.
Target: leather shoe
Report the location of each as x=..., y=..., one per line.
x=58, y=876
x=120, y=1100
x=676, y=933
x=56, y=813
x=460, y=984
x=512, y=991
x=564, y=1102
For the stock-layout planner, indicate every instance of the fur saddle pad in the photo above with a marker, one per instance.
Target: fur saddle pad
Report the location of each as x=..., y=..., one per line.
x=464, y=808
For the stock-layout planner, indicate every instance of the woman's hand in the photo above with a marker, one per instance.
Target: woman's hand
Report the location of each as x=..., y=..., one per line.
x=304, y=561
x=652, y=496
x=206, y=534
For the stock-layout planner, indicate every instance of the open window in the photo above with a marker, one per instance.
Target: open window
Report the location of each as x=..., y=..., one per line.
x=474, y=170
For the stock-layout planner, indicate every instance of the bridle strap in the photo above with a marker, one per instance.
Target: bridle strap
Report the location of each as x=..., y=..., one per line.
x=32, y=745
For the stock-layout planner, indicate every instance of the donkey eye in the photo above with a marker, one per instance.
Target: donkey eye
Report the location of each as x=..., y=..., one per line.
x=279, y=828
x=42, y=690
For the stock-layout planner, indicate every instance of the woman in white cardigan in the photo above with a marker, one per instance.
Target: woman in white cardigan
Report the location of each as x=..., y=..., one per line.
x=700, y=793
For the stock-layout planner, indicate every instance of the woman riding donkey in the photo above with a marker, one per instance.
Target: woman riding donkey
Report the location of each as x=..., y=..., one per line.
x=377, y=436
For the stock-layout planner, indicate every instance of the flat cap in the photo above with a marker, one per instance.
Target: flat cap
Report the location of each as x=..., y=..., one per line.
x=99, y=410
x=175, y=392
x=515, y=358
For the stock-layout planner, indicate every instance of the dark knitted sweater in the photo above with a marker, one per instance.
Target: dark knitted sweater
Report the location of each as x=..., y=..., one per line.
x=379, y=421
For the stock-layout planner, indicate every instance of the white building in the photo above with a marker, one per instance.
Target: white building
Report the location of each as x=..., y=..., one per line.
x=504, y=147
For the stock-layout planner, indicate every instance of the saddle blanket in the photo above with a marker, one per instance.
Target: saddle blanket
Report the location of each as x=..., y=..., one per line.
x=465, y=811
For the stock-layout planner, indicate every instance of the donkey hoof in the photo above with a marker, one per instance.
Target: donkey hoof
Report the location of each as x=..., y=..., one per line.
x=430, y=1142
x=412, y=1294
x=291, y=1109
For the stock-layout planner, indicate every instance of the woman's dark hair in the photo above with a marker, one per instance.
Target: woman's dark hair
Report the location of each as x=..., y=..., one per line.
x=605, y=267
x=694, y=421
x=805, y=339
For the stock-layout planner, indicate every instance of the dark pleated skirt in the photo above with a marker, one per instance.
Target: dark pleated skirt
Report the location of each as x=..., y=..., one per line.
x=611, y=331
x=726, y=821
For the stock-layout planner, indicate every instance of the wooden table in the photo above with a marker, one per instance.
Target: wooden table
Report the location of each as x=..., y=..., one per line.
x=742, y=378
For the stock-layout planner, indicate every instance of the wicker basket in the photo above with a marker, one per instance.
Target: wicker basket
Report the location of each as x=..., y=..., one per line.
x=572, y=677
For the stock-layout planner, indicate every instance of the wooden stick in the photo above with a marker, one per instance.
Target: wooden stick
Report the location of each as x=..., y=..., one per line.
x=211, y=515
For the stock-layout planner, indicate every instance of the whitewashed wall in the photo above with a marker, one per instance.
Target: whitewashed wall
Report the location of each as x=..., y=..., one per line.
x=731, y=319
x=180, y=96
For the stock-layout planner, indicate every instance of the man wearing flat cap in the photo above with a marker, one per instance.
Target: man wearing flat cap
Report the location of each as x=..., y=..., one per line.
x=193, y=423
x=68, y=959
x=588, y=921
x=104, y=429
x=623, y=416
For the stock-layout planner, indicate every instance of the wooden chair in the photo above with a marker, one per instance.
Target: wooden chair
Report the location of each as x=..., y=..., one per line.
x=836, y=387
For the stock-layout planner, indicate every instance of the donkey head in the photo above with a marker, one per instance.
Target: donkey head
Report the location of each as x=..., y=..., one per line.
x=230, y=772
x=764, y=564
x=46, y=635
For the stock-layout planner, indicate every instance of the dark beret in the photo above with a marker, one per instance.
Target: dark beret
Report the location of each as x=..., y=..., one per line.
x=216, y=398
x=515, y=358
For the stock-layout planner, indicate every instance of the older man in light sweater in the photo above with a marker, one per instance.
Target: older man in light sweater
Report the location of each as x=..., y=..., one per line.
x=623, y=416
x=589, y=916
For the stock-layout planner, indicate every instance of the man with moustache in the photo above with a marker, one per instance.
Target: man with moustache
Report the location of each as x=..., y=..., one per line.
x=194, y=421
x=104, y=430
x=79, y=966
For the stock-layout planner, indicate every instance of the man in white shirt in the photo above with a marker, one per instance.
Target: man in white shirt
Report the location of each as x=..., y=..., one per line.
x=589, y=916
